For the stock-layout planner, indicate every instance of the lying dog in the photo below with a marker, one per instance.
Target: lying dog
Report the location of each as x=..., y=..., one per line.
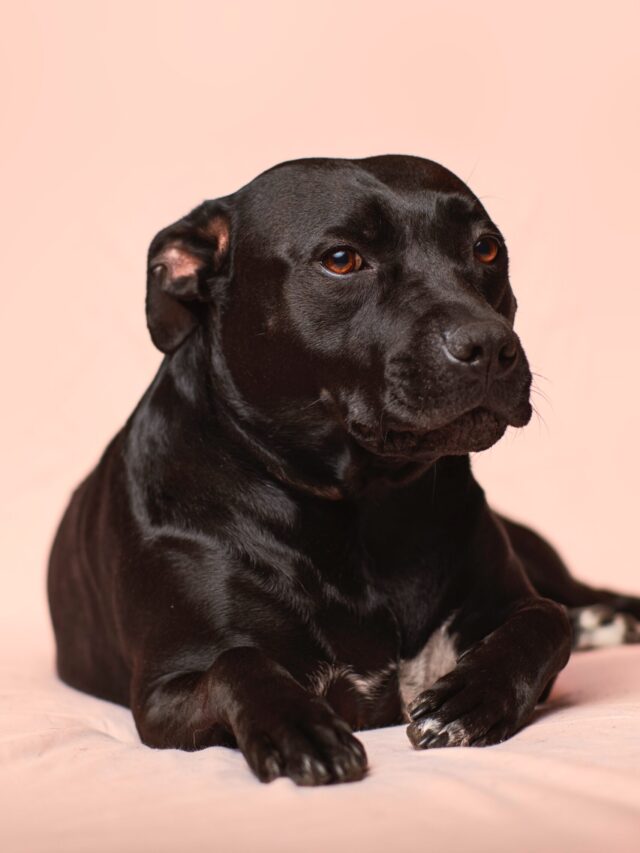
x=285, y=542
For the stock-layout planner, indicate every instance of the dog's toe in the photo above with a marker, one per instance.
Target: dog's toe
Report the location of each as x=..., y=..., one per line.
x=315, y=748
x=343, y=753
x=462, y=710
x=263, y=758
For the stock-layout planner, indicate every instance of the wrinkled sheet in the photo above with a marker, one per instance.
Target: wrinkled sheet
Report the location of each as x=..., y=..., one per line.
x=74, y=777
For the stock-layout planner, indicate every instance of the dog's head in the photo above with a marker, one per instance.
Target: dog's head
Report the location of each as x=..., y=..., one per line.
x=368, y=297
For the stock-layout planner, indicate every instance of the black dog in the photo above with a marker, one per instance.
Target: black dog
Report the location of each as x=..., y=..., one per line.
x=286, y=542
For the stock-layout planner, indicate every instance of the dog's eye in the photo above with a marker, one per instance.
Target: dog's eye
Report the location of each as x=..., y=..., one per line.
x=342, y=260
x=486, y=250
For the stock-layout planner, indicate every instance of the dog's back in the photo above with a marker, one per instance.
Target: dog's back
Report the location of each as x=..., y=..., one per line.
x=84, y=618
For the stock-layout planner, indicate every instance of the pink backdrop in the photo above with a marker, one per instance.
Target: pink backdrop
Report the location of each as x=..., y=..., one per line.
x=118, y=117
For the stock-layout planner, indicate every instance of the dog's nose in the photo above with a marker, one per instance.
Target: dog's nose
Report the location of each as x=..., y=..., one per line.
x=487, y=347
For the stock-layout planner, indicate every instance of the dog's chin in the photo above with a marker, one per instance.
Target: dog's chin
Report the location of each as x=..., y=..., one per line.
x=470, y=432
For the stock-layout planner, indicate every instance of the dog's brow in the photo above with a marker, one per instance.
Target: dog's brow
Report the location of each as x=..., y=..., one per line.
x=366, y=226
x=347, y=232
x=464, y=213
x=484, y=224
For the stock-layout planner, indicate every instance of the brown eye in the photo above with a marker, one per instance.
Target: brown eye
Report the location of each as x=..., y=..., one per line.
x=342, y=260
x=486, y=250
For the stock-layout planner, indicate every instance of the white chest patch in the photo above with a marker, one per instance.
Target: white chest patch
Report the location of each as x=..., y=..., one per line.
x=437, y=657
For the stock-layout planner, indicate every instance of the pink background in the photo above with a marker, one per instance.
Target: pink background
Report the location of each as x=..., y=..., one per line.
x=119, y=117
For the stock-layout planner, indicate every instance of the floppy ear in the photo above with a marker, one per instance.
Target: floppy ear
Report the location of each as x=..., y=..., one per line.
x=185, y=263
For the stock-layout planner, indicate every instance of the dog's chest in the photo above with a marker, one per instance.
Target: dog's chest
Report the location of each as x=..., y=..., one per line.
x=395, y=574
x=436, y=658
x=379, y=696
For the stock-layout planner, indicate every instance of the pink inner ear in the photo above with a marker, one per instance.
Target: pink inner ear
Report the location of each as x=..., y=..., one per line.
x=182, y=263
x=218, y=229
x=179, y=262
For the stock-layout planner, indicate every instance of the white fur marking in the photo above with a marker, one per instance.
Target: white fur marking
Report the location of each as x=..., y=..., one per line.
x=598, y=629
x=366, y=685
x=436, y=658
x=456, y=734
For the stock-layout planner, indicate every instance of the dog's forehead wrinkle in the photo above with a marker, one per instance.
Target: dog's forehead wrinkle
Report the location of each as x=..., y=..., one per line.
x=343, y=195
x=457, y=205
x=421, y=230
x=367, y=219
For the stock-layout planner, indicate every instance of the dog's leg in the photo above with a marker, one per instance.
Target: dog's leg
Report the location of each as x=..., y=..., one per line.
x=247, y=699
x=600, y=617
x=497, y=683
x=509, y=657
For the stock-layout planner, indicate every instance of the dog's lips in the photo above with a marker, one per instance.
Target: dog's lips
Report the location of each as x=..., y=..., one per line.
x=474, y=430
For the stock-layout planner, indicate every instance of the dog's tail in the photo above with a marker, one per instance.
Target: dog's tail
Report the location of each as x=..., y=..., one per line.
x=600, y=617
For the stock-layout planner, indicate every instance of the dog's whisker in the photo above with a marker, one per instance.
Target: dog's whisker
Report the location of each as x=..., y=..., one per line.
x=471, y=173
x=540, y=418
x=541, y=393
x=537, y=390
x=540, y=376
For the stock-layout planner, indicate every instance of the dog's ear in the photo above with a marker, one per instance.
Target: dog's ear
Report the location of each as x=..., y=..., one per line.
x=186, y=264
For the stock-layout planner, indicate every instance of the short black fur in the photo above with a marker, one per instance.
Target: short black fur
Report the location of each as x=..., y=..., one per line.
x=289, y=515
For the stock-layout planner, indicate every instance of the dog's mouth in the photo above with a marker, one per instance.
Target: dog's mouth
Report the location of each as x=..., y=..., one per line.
x=472, y=431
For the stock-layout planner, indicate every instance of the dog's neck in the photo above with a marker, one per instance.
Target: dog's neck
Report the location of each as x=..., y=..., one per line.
x=316, y=456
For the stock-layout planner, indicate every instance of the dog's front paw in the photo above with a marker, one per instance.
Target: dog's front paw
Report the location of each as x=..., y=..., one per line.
x=310, y=744
x=465, y=708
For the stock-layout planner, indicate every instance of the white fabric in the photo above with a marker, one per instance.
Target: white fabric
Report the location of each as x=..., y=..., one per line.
x=74, y=777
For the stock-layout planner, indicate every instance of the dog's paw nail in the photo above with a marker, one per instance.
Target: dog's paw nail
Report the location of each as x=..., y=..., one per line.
x=431, y=741
x=272, y=768
x=417, y=711
x=420, y=730
x=309, y=771
x=352, y=763
x=420, y=705
x=346, y=770
x=357, y=750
